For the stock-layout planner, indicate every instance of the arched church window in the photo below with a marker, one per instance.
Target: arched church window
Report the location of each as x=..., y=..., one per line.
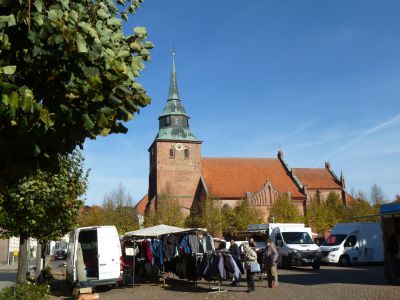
x=171, y=153
x=186, y=152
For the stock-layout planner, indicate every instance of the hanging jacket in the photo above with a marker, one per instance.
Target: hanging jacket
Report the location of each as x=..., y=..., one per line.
x=194, y=243
x=157, y=252
x=170, y=243
x=147, y=251
x=184, y=247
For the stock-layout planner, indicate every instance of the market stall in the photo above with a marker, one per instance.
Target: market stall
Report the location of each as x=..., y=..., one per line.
x=188, y=253
x=166, y=248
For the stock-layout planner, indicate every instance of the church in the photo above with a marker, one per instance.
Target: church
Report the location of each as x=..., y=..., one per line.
x=178, y=169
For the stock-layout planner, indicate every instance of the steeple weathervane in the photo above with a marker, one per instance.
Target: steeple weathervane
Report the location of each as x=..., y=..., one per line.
x=173, y=84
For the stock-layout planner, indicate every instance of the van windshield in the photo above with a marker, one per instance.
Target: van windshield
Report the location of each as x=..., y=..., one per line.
x=297, y=238
x=334, y=240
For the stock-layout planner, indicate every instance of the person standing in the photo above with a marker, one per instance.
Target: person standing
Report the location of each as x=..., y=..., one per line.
x=250, y=257
x=252, y=244
x=270, y=262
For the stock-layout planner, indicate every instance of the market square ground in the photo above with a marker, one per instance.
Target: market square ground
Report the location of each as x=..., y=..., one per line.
x=330, y=282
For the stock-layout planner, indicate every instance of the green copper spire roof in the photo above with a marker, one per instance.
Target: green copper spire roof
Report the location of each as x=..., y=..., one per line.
x=173, y=84
x=174, y=121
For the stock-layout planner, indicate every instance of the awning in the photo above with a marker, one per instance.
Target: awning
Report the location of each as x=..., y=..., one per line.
x=156, y=231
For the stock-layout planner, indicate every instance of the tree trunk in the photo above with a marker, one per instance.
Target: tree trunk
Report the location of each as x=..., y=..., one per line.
x=22, y=260
x=38, y=268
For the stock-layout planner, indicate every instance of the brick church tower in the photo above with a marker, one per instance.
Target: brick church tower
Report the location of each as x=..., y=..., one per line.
x=175, y=154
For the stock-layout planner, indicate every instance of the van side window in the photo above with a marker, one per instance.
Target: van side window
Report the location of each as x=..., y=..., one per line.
x=278, y=239
x=351, y=241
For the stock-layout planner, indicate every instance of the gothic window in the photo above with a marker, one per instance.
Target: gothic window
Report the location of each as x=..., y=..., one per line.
x=171, y=153
x=186, y=152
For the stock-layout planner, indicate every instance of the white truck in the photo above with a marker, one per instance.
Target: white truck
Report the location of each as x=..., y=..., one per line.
x=293, y=242
x=100, y=251
x=350, y=243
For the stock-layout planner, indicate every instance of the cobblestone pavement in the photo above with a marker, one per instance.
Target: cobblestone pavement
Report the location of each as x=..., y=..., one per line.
x=330, y=282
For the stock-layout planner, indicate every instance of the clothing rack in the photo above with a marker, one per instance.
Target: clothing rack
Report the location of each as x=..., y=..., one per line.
x=218, y=287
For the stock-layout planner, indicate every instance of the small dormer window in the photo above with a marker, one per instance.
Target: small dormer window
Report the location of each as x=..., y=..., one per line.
x=186, y=153
x=171, y=153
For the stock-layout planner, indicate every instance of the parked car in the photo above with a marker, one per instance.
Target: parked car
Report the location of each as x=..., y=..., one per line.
x=60, y=255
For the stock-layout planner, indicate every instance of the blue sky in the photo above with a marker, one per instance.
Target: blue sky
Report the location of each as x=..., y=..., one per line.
x=320, y=79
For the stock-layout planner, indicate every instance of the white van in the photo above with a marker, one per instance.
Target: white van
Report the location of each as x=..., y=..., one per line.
x=349, y=243
x=293, y=242
x=101, y=251
x=295, y=245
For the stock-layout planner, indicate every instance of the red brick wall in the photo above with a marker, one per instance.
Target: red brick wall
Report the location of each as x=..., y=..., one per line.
x=179, y=176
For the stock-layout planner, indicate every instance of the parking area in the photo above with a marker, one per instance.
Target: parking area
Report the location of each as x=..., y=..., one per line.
x=330, y=282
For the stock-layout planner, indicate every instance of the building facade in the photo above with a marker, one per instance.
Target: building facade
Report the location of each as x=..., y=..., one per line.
x=177, y=169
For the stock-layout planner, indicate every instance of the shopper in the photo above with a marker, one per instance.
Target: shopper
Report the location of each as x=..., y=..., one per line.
x=270, y=262
x=250, y=257
x=252, y=244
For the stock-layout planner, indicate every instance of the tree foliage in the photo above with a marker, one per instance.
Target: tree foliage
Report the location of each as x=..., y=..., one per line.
x=167, y=212
x=117, y=210
x=67, y=73
x=240, y=217
x=206, y=214
x=284, y=211
x=324, y=215
x=45, y=205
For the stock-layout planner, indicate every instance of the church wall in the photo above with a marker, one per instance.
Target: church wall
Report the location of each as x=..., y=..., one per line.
x=312, y=193
x=178, y=176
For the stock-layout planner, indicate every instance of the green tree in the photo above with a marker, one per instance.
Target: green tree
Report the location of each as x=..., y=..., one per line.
x=167, y=212
x=44, y=205
x=67, y=73
x=117, y=210
x=243, y=215
x=316, y=216
x=334, y=209
x=359, y=208
x=323, y=216
x=206, y=214
x=284, y=211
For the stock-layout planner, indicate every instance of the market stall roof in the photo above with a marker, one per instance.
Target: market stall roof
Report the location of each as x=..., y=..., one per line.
x=156, y=231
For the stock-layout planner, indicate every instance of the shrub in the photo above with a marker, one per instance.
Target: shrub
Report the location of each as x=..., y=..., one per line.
x=25, y=291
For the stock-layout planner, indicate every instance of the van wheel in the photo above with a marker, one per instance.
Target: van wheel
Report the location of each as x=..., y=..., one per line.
x=316, y=266
x=344, y=260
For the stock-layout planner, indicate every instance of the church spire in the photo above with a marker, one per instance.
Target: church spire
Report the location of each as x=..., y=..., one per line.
x=174, y=120
x=173, y=83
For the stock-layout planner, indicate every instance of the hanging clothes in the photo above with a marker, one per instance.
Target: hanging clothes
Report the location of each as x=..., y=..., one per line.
x=184, y=247
x=156, y=247
x=194, y=243
x=146, y=251
x=170, y=243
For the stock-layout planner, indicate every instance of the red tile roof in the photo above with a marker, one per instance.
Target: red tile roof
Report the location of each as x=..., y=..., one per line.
x=233, y=177
x=141, y=205
x=316, y=178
